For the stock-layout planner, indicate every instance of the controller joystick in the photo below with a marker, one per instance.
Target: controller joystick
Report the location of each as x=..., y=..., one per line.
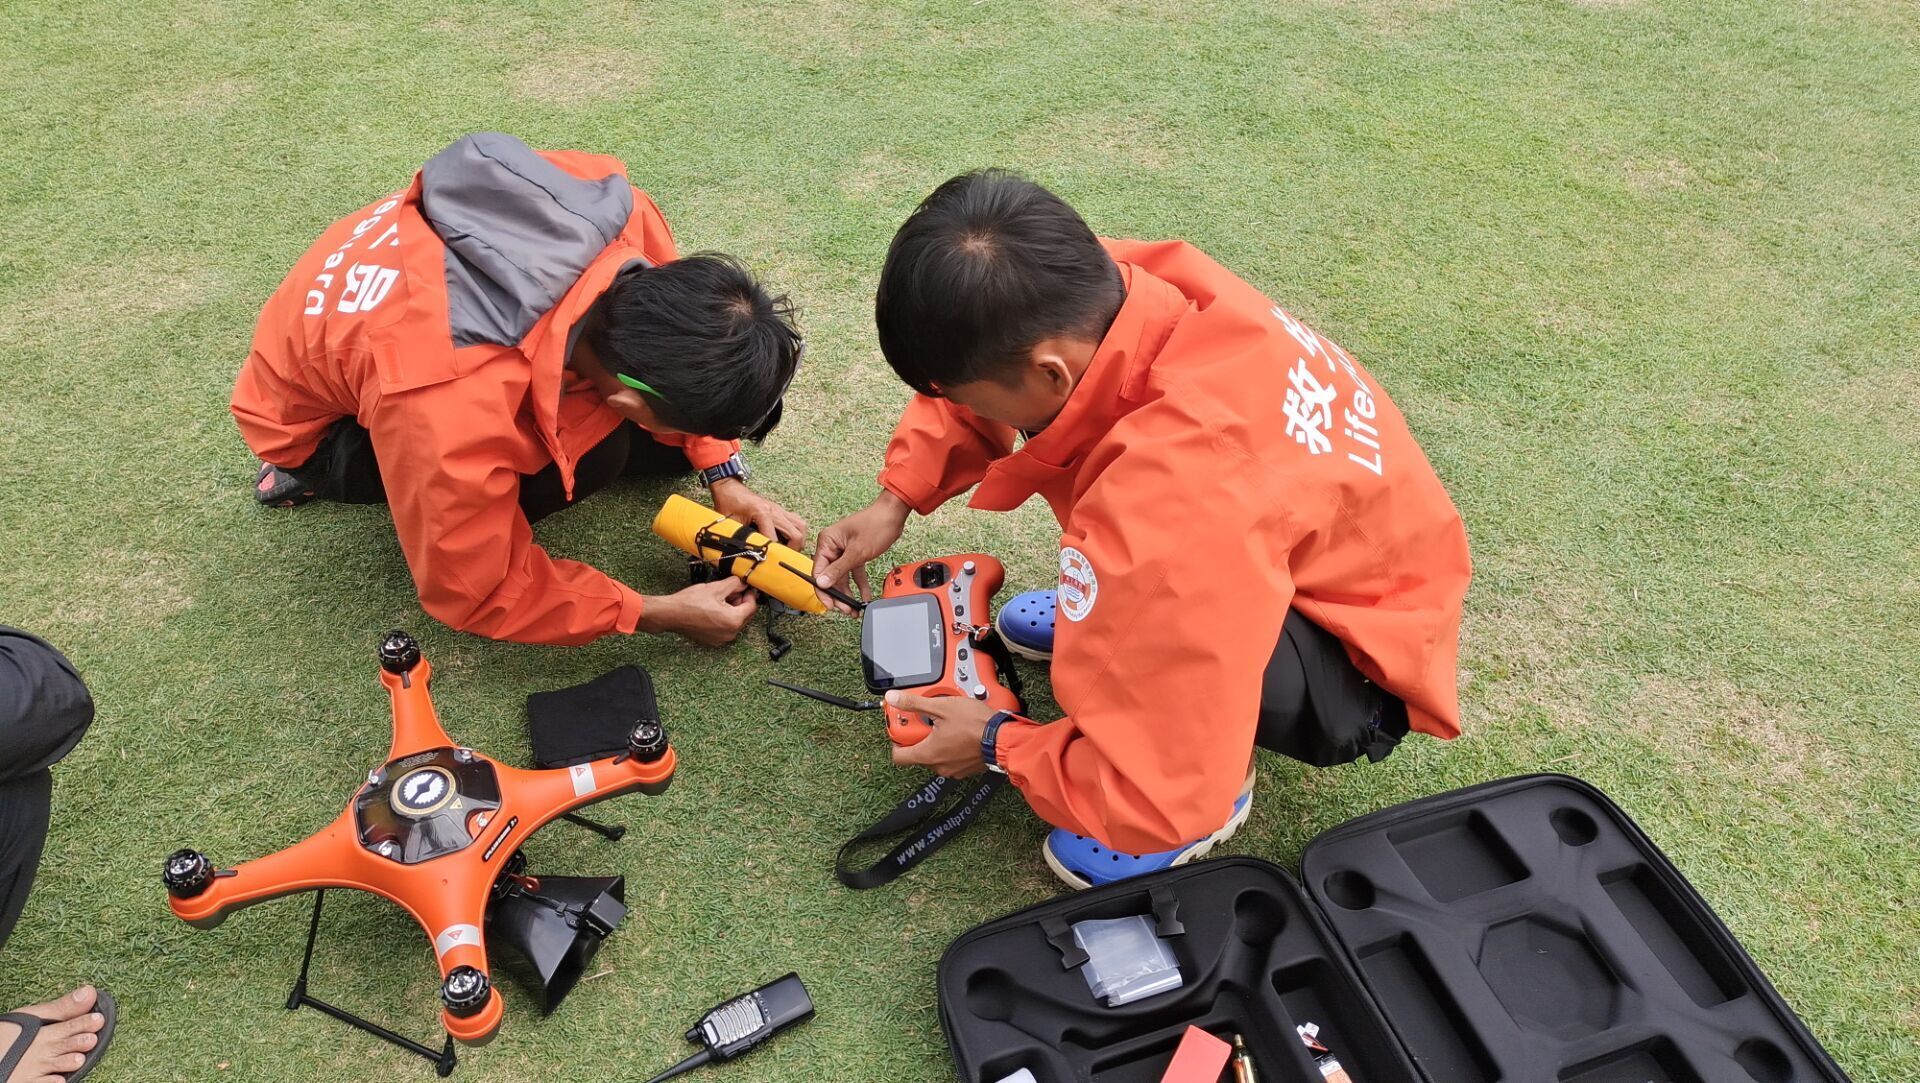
x=399, y=652
x=648, y=741
x=186, y=873
x=465, y=991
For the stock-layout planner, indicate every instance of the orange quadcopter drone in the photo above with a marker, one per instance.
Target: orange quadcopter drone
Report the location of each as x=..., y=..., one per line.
x=437, y=829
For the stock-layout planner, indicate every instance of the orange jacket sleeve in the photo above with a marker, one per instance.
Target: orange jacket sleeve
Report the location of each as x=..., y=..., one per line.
x=1187, y=588
x=701, y=451
x=938, y=451
x=281, y=421
x=455, y=499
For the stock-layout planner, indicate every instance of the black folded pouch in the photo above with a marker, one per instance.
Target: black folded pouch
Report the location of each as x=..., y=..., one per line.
x=591, y=720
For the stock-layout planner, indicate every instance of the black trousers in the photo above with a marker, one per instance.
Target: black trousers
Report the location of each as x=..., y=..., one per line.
x=345, y=469
x=44, y=710
x=1318, y=708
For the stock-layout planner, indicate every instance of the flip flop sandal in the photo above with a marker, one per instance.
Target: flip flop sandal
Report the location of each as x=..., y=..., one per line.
x=30, y=1025
x=276, y=488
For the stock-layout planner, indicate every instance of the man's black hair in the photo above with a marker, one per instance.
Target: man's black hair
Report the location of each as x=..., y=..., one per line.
x=987, y=267
x=707, y=336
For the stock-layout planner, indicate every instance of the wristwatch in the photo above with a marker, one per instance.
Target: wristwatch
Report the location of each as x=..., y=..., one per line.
x=734, y=467
x=990, y=737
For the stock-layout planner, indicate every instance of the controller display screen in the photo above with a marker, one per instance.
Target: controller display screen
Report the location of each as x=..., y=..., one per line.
x=901, y=640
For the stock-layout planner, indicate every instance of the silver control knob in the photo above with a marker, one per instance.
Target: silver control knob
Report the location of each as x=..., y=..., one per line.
x=979, y=691
x=967, y=567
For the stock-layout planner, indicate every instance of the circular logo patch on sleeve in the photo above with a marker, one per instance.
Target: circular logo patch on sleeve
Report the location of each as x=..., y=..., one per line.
x=1079, y=586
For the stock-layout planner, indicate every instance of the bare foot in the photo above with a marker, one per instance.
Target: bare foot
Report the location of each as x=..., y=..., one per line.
x=61, y=1045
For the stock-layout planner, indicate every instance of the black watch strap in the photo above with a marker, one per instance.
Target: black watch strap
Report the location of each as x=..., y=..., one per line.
x=733, y=467
x=990, y=739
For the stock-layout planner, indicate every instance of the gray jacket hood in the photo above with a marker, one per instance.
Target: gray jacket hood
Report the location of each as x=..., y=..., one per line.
x=519, y=231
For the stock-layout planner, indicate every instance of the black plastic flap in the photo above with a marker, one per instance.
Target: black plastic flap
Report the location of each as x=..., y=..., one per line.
x=1526, y=931
x=1257, y=959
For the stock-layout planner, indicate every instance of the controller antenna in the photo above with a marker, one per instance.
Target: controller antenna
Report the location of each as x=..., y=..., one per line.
x=841, y=702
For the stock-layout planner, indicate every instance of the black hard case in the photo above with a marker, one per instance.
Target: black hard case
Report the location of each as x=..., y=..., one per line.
x=1522, y=931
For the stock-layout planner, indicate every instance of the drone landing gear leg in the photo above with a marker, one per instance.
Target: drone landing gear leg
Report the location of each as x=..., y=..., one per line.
x=442, y=1059
x=611, y=832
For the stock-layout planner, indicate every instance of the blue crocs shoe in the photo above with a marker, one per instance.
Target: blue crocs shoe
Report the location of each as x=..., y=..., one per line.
x=1025, y=625
x=1082, y=862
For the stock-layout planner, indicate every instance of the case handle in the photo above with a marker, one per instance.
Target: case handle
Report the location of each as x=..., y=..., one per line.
x=1166, y=920
x=1060, y=935
x=1166, y=911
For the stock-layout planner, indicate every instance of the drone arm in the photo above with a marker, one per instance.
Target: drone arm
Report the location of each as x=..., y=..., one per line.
x=457, y=927
x=416, y=726
x=330, y=858
x=540, y=797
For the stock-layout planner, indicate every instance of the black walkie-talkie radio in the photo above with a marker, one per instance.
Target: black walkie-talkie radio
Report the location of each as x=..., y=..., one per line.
x=740, y=1024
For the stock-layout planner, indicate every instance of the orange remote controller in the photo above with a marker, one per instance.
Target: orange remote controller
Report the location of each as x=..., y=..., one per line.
x=931, y=633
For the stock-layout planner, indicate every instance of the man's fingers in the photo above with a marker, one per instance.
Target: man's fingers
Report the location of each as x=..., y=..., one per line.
x=827, y=570
x=826, y=564
x=827, y=547
x=766, y=523
x=909, y=755
x=797, y=531
x=907, y=701
x=860, y=579
x=792, y=528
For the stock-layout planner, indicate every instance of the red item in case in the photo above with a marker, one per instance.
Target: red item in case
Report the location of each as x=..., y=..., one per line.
x=1200, y=1058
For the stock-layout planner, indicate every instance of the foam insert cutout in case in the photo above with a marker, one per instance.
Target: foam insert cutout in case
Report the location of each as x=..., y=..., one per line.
x=1522, y=931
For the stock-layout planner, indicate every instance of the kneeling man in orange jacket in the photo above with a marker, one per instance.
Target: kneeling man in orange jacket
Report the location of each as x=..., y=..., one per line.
x=1253, y=548
x=491, y=344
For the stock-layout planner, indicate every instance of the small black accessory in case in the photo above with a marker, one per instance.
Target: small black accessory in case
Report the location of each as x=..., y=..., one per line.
x=743, y=1023
x=591, y=720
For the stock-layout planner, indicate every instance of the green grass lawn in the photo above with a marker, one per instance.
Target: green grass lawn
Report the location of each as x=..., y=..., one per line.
x=1642, y=276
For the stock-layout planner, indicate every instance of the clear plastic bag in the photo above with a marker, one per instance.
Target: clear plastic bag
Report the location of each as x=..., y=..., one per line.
x=1126, y=960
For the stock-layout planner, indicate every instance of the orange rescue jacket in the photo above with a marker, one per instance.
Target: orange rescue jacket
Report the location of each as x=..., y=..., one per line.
x=440, y=318
x=1218, y=463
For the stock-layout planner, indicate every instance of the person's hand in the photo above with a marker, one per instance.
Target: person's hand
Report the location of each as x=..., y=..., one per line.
x=953, y=748
x=711, y=614
x=845, y=547
x=733, y=499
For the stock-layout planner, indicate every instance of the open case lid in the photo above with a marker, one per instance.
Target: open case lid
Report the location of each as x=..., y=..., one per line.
x=1523, y=931
x=1528, y=930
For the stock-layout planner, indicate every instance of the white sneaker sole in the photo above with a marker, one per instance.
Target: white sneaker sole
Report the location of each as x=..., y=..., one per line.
x=1193, y=853
x=1029, y=653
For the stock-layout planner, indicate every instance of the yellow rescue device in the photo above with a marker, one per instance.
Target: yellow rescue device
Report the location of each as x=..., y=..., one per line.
x=738, y=550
